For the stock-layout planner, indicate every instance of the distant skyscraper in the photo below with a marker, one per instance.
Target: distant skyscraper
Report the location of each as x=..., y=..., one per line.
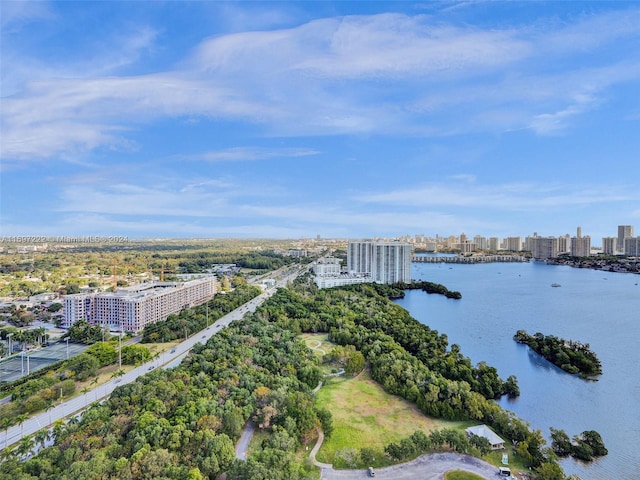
x=632, y=246
x=564, y=244
x=581, y=246
x=624, y=231
x=481, y=242
x=609, y=245
x=544, y=247
x=513, y=244
x=386, y=262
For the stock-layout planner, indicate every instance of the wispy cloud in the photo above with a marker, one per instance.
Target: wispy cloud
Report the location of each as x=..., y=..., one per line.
x=389, y=74
x=240, y=154
x=18, y=13
x=505, y=197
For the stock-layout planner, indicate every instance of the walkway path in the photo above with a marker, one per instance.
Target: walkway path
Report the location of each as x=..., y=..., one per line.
x=315, y=449
x=317, y=346
x=245, y=439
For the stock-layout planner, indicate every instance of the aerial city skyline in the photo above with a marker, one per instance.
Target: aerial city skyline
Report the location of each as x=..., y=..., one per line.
x=347, y=119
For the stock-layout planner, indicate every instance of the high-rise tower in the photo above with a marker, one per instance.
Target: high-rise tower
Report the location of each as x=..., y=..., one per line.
x=386, y=262
x=624, y=231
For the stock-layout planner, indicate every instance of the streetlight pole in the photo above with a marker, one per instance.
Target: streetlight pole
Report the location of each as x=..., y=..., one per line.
x=9, y=335
x=67, y=348
x=22, y=363
x=27, y=364
x=120, y=347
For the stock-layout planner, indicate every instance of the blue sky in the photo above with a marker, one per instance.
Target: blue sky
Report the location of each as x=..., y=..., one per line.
x=343, y=119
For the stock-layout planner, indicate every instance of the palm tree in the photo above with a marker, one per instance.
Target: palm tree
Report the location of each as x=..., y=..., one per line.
x=58, y=429
x=42, y=436
x=6, y=423
x=41, y=334
x=49, y=407
x=21, y=419
x=5, y=454
x=84, y=391
x=25, y=447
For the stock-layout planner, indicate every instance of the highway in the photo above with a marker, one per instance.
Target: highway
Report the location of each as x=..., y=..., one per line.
x=166, y=360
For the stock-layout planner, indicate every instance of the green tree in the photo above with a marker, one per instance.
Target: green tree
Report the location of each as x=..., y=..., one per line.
x=54, y=307
x=367, y=456
x=560, y=443
x=135, y=354
x=355, y=363
x=594, y=440
x=105, y=352
x=25, y=447
x=326, y=421
x=82, y=366
x=550, y=471
x=581, y=449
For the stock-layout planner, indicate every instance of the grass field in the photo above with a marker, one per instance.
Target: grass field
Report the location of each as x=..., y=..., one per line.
x=516, y=463
x=364, y=415
x=321, y=346
x=461, y=475
x=318, y=342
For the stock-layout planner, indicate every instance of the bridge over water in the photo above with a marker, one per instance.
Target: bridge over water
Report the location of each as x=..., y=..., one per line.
x=472, y=259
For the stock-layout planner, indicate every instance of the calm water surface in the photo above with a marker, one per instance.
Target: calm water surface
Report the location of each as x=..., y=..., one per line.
x=594, y=307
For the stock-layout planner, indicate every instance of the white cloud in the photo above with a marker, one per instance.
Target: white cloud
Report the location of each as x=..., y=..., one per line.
x=389, y=74
x=238, y=154
x=17, y=13
x=502, y=197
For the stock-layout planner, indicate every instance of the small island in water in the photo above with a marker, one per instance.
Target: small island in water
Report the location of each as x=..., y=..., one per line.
x=570, y=356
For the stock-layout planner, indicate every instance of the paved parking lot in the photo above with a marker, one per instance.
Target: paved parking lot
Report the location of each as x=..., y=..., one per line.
x=427, y=467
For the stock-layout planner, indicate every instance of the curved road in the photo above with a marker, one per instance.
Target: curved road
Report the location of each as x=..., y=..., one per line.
x=427, y=467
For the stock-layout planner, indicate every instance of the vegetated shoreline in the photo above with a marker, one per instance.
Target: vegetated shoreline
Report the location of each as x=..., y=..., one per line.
x=572, y=357
x=396, y=290
x=605, y=263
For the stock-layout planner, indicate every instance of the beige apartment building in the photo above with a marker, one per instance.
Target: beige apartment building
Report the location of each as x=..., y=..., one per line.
x=130, y=309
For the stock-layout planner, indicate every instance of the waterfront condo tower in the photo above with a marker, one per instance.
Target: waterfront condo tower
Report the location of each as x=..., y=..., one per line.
x=386, y=262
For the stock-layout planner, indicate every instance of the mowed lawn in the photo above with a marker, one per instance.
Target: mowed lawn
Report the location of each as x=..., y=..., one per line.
x=364, y=415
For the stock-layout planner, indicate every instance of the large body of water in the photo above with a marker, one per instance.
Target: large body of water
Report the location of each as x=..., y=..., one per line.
x=594, y=307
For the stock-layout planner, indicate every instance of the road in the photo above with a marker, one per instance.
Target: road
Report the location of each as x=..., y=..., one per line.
x=166, y=360
x=427, y=467
x=245, y=439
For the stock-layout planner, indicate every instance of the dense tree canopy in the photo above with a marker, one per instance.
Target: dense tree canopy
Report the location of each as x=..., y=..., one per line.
x=183, y=422
x=191, y=320
x=570, y=356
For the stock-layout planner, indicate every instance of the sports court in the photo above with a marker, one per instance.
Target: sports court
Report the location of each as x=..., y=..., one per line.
x=21, y=364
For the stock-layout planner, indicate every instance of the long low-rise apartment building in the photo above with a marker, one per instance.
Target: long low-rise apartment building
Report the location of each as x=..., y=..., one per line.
x=130, y=309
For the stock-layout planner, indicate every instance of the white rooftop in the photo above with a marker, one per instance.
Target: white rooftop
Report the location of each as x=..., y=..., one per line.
x=486, y=432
